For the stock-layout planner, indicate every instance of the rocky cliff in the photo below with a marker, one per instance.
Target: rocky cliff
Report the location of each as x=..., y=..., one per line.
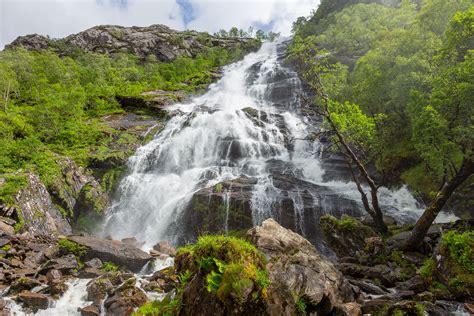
x=156, y=40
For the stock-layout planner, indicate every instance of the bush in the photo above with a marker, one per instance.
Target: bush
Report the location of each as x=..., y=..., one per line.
x=166, y=307
x=460, y=247
x=427, y=269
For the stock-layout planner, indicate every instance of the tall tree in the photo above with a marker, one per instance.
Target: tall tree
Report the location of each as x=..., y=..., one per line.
x=443, y=131
x=353, y=130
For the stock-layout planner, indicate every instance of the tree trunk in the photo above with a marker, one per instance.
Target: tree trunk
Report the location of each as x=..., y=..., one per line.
x=418, y=232
x=377, y=214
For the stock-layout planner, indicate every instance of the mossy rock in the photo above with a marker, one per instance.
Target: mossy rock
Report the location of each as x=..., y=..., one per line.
x=227, y=273
x=454, y=263
x=345, y=236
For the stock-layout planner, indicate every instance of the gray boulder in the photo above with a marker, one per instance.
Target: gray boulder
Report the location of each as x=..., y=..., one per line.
x=299, y=273
x=117, y=252
x=40, y=215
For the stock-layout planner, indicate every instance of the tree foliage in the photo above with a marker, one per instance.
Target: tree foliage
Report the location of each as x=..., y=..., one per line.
x=389, y=62
x=399, y=88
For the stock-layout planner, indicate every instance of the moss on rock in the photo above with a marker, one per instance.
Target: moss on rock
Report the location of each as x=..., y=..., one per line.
x=345, y=236
x=229, y=271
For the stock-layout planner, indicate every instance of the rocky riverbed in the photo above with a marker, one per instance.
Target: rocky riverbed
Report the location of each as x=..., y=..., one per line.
x=38, y=274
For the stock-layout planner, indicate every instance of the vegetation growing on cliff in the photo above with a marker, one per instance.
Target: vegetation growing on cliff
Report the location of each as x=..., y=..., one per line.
x=390, y=61
x=51, y=105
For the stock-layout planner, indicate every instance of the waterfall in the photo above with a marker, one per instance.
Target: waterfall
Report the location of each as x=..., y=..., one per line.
x=249, y=123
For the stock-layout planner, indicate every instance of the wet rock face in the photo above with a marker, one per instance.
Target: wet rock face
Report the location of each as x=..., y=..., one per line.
x=40, y=215
x=208, y=211
x=227, y=207
x=157, y=40
x=298, y=273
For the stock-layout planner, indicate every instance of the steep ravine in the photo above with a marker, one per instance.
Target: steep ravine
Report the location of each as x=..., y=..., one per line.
x=235, y=156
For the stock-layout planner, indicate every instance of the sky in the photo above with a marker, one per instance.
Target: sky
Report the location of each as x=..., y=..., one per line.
x=59, y=18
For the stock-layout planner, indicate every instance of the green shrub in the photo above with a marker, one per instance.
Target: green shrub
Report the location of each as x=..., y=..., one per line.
x=301, y=307
x=166, y=307
x=348, y=222
x=5, y=247
x=13, y=183
x=460, y=247
x=427, y=269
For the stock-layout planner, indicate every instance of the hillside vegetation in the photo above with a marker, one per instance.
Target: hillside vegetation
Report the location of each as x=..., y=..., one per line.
x=408, y=69
x=51, y=104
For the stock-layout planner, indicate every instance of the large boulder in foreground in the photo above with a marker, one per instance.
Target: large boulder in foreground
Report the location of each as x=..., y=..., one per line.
x=281, y=273
x=300, y=277
x=117, y=252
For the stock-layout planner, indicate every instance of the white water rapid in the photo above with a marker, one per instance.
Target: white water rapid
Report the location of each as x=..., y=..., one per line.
x=249, y=123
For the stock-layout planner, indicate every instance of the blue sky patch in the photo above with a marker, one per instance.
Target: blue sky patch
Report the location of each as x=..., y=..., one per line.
x=187, y=11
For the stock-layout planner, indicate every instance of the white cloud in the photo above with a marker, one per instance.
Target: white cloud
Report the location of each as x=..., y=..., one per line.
x=59, y=18
x=223, y=14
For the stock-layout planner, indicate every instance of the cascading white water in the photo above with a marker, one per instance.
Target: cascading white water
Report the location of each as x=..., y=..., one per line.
x=214, y=139
x=74, y=298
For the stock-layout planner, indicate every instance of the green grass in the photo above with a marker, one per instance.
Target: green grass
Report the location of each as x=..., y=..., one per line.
x=109, y=267
x=67, y=246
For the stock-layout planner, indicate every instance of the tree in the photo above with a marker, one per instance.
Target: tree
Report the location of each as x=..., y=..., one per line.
x=221, y=33
x=443, y=131
x=8, y=85
x=260, y=35
x=353, y=131
x=234, y=32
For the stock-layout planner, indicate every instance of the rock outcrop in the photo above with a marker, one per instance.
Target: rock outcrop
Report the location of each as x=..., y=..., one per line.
x=77, y=191
x=283, y=275
x=299, y=274
x=156, y=40
x=117, y=252
x=296, y=204
x=37, y=211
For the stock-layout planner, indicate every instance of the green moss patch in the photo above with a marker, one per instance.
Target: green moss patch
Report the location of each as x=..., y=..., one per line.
x=67, y=246
x=232, y=269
